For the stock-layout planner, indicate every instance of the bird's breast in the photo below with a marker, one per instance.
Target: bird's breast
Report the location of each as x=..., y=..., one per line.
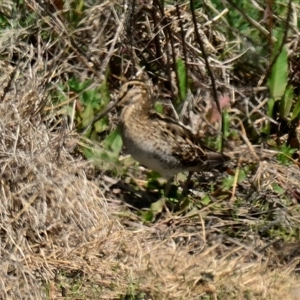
x=150, y=151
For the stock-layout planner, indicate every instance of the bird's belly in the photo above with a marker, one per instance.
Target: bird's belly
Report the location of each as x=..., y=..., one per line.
x=153, y=157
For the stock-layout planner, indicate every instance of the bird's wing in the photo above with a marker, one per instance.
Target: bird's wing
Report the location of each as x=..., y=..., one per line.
x=186, y=146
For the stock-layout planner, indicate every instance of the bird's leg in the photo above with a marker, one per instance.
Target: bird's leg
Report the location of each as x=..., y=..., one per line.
x=168, y=187
x=167, y=191
x=186, y=187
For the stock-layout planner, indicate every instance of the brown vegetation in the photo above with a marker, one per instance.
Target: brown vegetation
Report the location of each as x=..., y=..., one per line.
x=66, y=232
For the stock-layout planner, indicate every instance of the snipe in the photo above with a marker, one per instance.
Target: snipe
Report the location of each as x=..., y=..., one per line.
x=158, y=142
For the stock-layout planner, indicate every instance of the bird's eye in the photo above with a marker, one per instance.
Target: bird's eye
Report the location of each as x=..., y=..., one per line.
x=130, y=86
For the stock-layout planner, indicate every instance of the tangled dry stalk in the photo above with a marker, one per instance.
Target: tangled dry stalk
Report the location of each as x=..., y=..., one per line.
x=64, y=233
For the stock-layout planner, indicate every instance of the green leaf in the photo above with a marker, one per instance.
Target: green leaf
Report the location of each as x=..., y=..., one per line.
x=226, y=117
x=92, y=135
x=101, y=157
x=229, y=180
x=270, y=107
x=128, y=161
x=101, y=125
x=278, y=189
x=87, y=115
x=205, y=200
x=91, y=97
x=88, y=153
x=105, y=95
x=153, y=184
x=296, y=110
x=77, y=86
x=270, y=104
x=181, y=70
x=113, y=142
x=153, y=175
x=158, y=107
x=157, y=206
x=186, y=203
x=278, y=79
x=286, y=154
x=286, y=102
x=109, y=157
x=148, y=216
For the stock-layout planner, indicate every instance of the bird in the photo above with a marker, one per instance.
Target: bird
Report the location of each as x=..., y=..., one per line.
x=158, y=142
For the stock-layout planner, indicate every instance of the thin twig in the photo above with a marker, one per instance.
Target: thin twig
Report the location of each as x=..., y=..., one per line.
x=213, y=83
x=169, y=39
x=184, y=50
x=114, y=41
x=100, y=115
x=129, y=29
x=254, y=23
x=288, y=17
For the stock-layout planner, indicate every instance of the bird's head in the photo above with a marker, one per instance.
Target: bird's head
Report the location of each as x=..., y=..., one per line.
x=133, y=92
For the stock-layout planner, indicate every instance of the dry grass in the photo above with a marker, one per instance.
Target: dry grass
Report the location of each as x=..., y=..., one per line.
x=65, y=235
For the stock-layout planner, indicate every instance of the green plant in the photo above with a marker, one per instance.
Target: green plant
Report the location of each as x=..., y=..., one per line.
x=229, y=181
x=277, y=84
x=282, y=105
x=181, y=71
x=91, y=101
x=285, y=154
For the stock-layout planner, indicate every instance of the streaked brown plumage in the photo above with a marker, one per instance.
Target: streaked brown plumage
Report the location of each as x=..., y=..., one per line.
x=158, y=142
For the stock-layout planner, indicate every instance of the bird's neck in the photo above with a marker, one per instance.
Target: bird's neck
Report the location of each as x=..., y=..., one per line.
x=137, y=109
